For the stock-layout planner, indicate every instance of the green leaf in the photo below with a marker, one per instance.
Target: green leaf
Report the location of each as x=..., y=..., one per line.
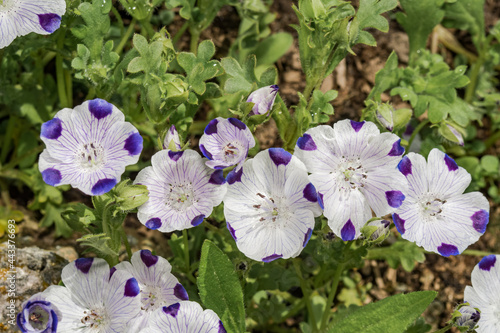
x=272, y=48
x=490, y=164
x=466, y=15
x=240, y=78
x=419, y=326
x=386, y=78
x=220, y=288
x=380, y=317
x=369, y=14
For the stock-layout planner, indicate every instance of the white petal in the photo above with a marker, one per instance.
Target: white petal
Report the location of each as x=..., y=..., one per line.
x=317, y=149
x=378, y=184
x=352, y=137
x=445, y=176
x=71, y=313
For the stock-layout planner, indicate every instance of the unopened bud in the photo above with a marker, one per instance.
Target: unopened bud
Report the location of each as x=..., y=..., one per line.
x=131, y=196
x=376, y=231
x=469, y=316
x=263, y=99
x=385, y=116
x=172, y=140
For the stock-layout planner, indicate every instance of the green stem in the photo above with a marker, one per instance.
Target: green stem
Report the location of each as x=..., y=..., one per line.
x=470, y=91
x=186, y=250
x=69, y=87
x=492, y=139
x=61, y=87
x=444, y=329
x=179, y=33
x=148, y=27
x=127, y=244
x=11, y=125
x=126, y=37
x=306, y=292
x=195, y=38
x=477, y=253
x=415, y=132
x=119, y=19
x=334, y=287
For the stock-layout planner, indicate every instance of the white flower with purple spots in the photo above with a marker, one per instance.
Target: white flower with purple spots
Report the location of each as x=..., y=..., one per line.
x=184, y=317
x=484, y=293
x=158, y=286
x=436, y=215
x=38, y=315
x=88, y=147
x=182, y=190
x=353, y=167
x=20, y=17
x=270, y=206
x=172, y=140
x=94, y=298
x=263, y=99
x=226, y=143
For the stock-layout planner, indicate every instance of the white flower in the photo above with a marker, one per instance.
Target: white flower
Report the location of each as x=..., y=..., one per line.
x=263, y=98
x=270, y=206
x=20, y=17
x=184, y=317
x=88, y=147
x=182, y=190
x=158, y=286
x=436, y=214
x=353, y=168
x=484, y=293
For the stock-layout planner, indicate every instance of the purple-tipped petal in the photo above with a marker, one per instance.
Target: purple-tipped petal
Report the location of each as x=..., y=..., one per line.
x=112, y=271
x=211, y=127
x=306, y=142
x=52, y=129
x=394, y=198
x=84, y=264
x=103, y=186
x=51, y=176
x=217, y=178
x=50, y=22
x=447, y=250
x=307, y=237
x=132, y=288
x=231, y=231
x=310, y=193
x=320, y=200
x=450, y=163
x=175, y=155
x=148, y=258
x=221, y=328
x=480, y=220
x=279, y=156
x=357, y=125
x=205, y=152
x=348, y=231
x=197, y=220
x=238, y=123
x=172, y=309
x=272, y=257
x=133, y=144
x=234, y=176
x=399, y=223
x=153, y=223
x=487, y=262
x=404, y=166
x=100, y=108
x=397, y=149
x=180, y=292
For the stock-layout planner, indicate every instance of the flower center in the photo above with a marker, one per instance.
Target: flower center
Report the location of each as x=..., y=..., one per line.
x=270, y=209
x=38, y=318
x=180, y=196
x=149, y=299
x=352, y=174
x=91, y=156
x=231, y=151
x=432, y=207
x=94, y=318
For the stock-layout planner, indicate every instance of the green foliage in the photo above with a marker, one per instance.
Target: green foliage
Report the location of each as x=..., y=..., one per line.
x=220, y=289
x=402, y=253
x=419, y=326
x=409, y=306
x=466, y=15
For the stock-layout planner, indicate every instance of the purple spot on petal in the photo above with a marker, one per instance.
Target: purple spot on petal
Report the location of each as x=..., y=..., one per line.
x=357, y=125
x=396, y=149
x=447, y=250
x=50, y=22
x=180, y=292
x=221, y=328
x=133, y=144
x=51, y=176
x=306, y=142
x=275, y=87
x=480, y=220
x=231, y=231
x=219, y=167
x=211, y=127
x=112, y=271
x=348, y=231
x=55, y=321
x=175, y=155
x=132, y=288
x=197, y=220
x=394, y=198
x=399, y=223
x=217, y=178
x=272, y=257
x=404, y=166
x=307, y=237
x=320, y=200
x=238, y=123
x=103, y=186
x=450, y=163
x=279, y=156
x=310, y=193
x=148, y=258
x=206, y=153
x=234, y=176
x=52, y=129
x=172, y=309
x=84, y=264
x=487, y=262
x=100, y=108
x=153, y=223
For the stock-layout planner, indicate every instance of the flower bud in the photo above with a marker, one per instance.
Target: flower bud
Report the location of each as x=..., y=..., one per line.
x=385, y=116
x=263, y=99
x=376, y=231
x=172, y=140
x=131, y=196
x=451, y=133
x=469, y=316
